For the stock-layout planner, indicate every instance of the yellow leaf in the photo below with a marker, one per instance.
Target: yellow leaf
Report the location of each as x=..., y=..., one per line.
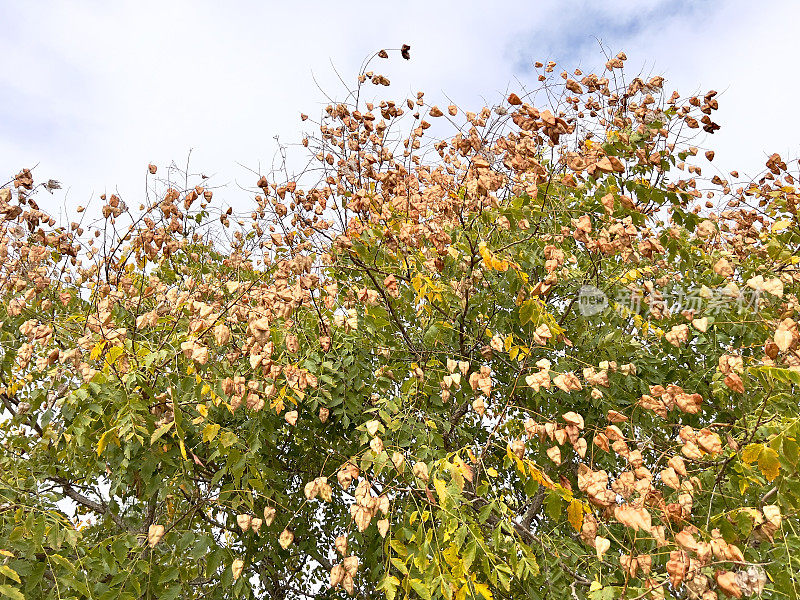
x=183, y=450
x=743, y=485
x=483, y=590
x=108, y=436
x=9, y=572
x=575, y=514
x=499, y=265
x=97, y=350
x=491, y=472
x=441, y=489
x=751, y=453
x=780, y=225
x=450, y=555
x=518, y=462
x=113, y=354
x=768, y=463
x=278, y=405
x=210, y=431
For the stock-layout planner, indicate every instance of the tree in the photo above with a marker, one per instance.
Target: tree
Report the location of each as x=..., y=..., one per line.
x=546, y=363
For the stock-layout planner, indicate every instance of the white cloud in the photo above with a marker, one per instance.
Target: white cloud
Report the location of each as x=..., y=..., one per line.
x=742, y=49
x=95, y=91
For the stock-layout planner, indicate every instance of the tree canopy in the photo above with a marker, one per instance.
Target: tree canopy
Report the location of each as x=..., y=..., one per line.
x=542, y=356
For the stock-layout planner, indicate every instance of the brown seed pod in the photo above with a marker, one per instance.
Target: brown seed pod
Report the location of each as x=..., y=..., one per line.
x=286, y=538
x=237, y=567
x=154, y=534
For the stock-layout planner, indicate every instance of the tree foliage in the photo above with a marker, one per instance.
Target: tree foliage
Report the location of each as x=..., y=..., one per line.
x=541, y=358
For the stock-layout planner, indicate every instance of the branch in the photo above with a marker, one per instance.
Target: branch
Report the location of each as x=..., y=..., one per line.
x=412, y=348
x=7, y=402
x=88, y=502
x=316, y=555
x=534, y=508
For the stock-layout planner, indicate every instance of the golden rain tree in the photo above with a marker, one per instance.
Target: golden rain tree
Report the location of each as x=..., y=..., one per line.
x=543, y=357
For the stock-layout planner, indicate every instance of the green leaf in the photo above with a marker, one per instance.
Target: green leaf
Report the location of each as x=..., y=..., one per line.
x=398, y=547
x=791, y=451
x=11, y=592
x=605, y=593
x=784, y=375
x=228, y=439
x=468, y=556
x=526, y=311
x=553, y=506
x=421, y=589
x=57, y=558
x=158, y=433
x=504, y=575
x=172, y=593
x=399, y=565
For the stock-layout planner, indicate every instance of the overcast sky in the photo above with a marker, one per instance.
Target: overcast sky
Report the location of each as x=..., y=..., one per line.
x=94, y=91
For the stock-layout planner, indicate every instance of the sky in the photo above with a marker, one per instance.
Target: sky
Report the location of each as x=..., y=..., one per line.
x=95, y=90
